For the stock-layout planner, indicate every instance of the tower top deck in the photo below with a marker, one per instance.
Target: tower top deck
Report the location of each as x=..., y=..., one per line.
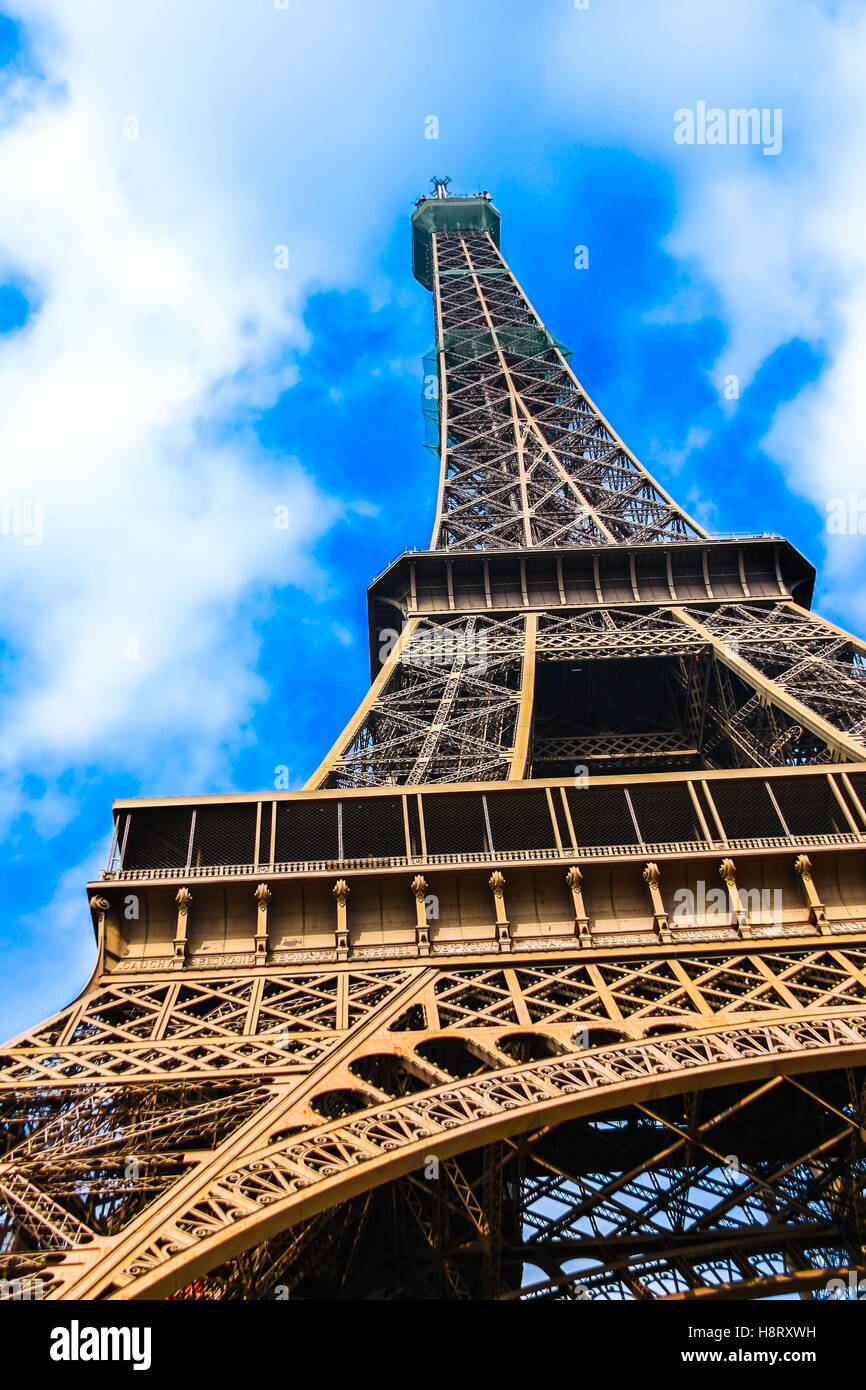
x=448, y=214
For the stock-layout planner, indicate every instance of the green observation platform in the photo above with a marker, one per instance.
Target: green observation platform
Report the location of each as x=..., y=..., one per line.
x=447, y=215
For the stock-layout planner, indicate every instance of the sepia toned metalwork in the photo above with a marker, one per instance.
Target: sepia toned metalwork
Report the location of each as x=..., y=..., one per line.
x=551, y=983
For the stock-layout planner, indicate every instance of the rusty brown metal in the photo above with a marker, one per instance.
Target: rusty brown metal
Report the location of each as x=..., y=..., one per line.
x=551, y=982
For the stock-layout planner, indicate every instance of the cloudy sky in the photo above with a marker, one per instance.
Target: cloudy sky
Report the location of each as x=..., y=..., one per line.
x=207, y=313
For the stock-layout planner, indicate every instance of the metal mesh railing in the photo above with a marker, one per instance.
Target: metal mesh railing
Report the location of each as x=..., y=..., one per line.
x=600, y=816
x=360, y=830
x=745, y=808
x=224, y=833
x=519, y=820
x=665, y=811
x=567, y=854
x=156, y=835
x=372, y=826
x=808, y=805
x=307, y=829
x=454, y=823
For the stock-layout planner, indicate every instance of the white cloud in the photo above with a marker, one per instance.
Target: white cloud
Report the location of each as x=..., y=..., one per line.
x=55, y=951
x=162, y=315
x=163, y=326
x=779, y=242
x=152, y=535
x=343, y=634
x=162, y=307
x=162, y=311
x=697, y=437
x=821, y=434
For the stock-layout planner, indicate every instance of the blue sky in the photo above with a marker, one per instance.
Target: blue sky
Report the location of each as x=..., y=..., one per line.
x=165, y=386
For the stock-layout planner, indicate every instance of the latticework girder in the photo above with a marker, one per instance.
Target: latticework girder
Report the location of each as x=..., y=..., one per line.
x=526, y=458
x=433, y=1062
x=331, y=1050
x=763, y=685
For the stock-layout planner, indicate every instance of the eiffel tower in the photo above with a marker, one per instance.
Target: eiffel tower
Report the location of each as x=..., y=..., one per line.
x=551, y=983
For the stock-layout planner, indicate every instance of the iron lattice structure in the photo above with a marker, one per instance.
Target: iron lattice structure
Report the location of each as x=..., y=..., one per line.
x=552, y=982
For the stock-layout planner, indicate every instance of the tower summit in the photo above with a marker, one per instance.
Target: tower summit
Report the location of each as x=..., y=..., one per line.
x=577, y=616
x=572, y=913
x=527, y=459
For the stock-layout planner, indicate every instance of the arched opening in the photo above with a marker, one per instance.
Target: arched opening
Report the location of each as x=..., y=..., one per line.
x=451, y=1055
x=662, y=1030
x=335, y=1104
x=388, y=1073
x=598, y=1037
x=527, y=1047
